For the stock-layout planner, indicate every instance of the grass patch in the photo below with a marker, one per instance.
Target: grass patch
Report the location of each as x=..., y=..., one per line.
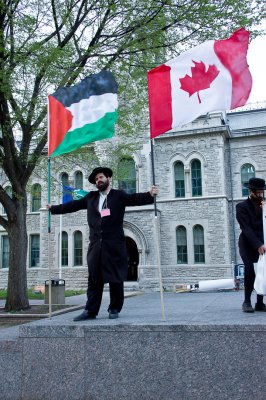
x=69, y=293
x=38, y=309
x=34, y=295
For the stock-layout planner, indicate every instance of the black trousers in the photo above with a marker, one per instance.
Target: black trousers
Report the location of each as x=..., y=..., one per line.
x=249, y=279
x=95, y=293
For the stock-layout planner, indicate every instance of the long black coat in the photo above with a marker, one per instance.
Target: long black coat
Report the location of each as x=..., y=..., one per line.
x=107, y=249
x=251, y=225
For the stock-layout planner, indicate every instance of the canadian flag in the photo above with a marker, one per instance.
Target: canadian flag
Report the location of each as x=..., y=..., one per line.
x=210, y=77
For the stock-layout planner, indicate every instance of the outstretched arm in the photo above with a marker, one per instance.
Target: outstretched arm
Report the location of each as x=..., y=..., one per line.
x=141, y=199
x=69, y=207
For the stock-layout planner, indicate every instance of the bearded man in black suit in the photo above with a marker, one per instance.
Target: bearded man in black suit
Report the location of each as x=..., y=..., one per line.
x=107, y=255
x=249, y=217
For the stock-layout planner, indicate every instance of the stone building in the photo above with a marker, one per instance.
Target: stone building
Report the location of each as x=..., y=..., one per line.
x=199, y=169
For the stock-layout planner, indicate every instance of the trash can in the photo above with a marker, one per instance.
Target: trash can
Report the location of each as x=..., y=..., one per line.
x=239, y=275
x=57, y=291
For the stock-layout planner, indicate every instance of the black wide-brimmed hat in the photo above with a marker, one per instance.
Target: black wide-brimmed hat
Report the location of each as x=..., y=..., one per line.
x=256, y=184
x=106, y=171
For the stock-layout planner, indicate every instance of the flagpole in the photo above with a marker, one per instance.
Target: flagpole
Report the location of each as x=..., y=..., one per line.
x=156, y=226
x=60, y=246
x=60, y=235
x=49, y=238
x=264, y=222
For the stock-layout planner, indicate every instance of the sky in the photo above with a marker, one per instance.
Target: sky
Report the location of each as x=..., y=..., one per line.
x=257, y=59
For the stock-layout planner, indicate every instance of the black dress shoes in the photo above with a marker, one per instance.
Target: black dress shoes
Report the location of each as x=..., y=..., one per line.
x=247, y=307
x=260, y=307
x=113, y=314
x=84, y=315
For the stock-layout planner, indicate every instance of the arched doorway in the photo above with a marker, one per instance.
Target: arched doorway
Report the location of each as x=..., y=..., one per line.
x=133, y=259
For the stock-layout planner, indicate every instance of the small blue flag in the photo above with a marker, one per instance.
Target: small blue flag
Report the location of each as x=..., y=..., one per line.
x=70, y=193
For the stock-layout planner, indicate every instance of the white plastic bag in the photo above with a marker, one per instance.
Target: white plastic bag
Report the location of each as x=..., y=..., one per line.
x=260, y=280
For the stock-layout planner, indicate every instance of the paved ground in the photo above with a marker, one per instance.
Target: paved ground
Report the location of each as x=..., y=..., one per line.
x=209, y=308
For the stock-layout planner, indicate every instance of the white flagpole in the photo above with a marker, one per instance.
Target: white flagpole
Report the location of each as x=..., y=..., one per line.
x=157, y=234
x=60, y=235
x=60, y=247
x=49, y=239
x=264, y=222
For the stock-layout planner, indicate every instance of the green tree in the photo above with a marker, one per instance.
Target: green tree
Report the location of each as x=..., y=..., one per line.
x=48, y=44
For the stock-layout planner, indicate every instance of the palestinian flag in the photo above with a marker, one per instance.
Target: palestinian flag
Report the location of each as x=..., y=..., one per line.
x=210, y=77
x=82, y=113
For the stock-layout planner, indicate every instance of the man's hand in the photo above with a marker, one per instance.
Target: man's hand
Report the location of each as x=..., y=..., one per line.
x=48, y=206
x=262, y=249
x=154, y=191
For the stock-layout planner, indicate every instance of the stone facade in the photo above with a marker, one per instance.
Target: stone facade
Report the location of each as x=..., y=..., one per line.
x=222, y=144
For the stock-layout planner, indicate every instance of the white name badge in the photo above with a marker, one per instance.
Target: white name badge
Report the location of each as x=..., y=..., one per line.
x=105, y=212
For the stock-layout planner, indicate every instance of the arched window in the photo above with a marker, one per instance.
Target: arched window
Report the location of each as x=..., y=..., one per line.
x=196, y=182
x=78, y=180
x=126, y=175
x=247, y=172
x=198, y=242
x=34, y=250
x=8, y=190
x=36, y=197
x=67, y=194
x=78, y=248
x=179, y=179
x=65, y=179
x=5, y=251
x=181, y=244
x=64, y=254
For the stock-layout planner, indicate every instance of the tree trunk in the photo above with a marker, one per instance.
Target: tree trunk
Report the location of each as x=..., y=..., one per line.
x=17, y=298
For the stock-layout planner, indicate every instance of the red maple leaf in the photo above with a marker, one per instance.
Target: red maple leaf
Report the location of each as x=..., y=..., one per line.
x=200, y=79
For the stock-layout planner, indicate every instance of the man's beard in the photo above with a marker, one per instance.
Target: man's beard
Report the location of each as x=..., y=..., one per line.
x=257, y=199
x=102, y=186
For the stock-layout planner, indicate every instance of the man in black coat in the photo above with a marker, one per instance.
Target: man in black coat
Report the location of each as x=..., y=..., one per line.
x=107, y=255
x=249, y=217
